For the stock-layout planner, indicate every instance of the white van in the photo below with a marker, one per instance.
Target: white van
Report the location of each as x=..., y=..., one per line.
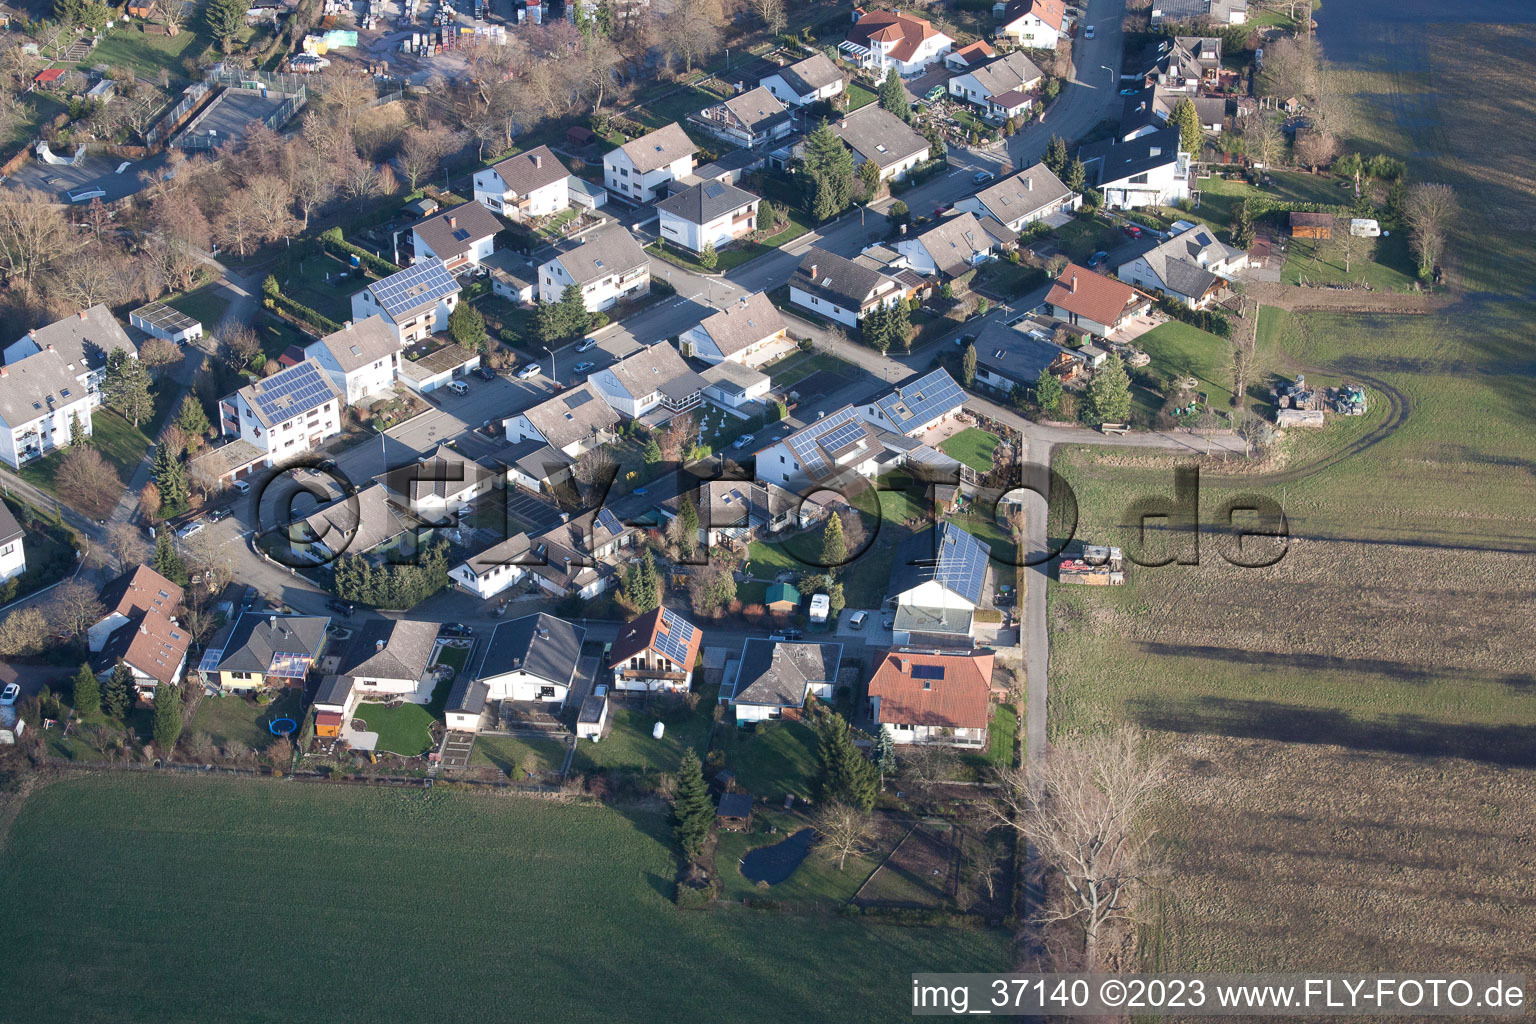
x=857, y=620
x=241, y=486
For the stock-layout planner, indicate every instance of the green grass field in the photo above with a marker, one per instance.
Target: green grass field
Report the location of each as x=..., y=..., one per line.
x=972, y=446
x=817, y=882
x=121, y=443
x=858, y=96
x=512, y=753
x=205, y=305
x=629, y=745
x=402, y=730
x=170, y=900
x=1388, y=268
x=1181, y=350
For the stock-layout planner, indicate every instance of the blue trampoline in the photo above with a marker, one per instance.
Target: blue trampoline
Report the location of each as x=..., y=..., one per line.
x=282, y=726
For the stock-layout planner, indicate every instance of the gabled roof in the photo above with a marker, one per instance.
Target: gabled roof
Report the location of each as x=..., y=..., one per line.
x=879, y=135
x=836, y=440
x=732, y=378
x=660, y=148
x=915, y=403
x=10, y=529
x=705, y=201
x=140, y=589
x=805, y=77
x=515, y=550
x=608, y=250
x=150, y=643
x=1092, y=296
x=1049, y=11
x=1008, y=73
x=777, y=673
x=654, y=369
x=1113, y=160
x=540, y=645
x=833, y=277
x=535, y=459
x=530, y=171
x=755, y=107
x=907, y=32
x=1180, y=262
x=455, y=231
x=1015, y=354
x=389, y=649
x=1031, y=190
x=929, y=688
x=953, y=242
x=355, y=524
x=413, y=289
x=946, y=555
x=571, y=416
x=289, y=393
x=585, y=534
x=83, y=339
x=360, y=344
x=661, y=630
x=442, y=474
x=971, y=54
x=259, y=641
x=35, y=386
x=744, y=323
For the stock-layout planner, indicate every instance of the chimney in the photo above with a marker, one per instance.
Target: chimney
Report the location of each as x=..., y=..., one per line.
x=4, y=372
x=32, y=335
x=538, y=160
x=271, y=621
x=1072, y=285
x=453, y=222
x=906, y=666
x=1029, y=184
x=378, y=645
x=813, y=271
x=49, y=348
x=81, y=314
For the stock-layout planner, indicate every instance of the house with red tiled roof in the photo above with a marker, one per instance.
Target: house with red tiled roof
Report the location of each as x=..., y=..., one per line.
x=656, y=651
x=135, y=592
x=1032, y=23
x=1092, y=301
x=881, y=40
x=970, y=55
x=933, y=697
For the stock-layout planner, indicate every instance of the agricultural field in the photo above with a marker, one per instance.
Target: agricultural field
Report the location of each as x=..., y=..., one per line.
x=171, y=855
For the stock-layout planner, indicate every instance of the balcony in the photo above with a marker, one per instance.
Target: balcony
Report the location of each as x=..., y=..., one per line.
x=652, y=674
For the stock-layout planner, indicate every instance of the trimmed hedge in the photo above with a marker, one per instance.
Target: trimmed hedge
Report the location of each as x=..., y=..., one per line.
x=336, y=245
x=1205, y=319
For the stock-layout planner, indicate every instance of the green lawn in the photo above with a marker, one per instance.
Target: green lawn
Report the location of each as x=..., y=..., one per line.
x=629, y=745
x=972, y=446
x=402, y=730
x=1008, y=279
x=1000, y=739
x=512, y=753
x=1179, y=350
x=542, y=892
x=277, y=334
x=817, y=882
x=858, y=96
x=1389, y=266
x=454, y=657
x=682, y=101
x=734, y=255
x=1219, y=197
x=1080, y=239
x=788, y=372
x=305, y=282
x=232, y=718
x=205, y=305
x=119, y=442
x=146, y=54
x=782, y=760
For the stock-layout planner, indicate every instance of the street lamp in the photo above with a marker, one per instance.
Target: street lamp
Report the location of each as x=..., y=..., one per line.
x=1111, y=71
x=551, y=363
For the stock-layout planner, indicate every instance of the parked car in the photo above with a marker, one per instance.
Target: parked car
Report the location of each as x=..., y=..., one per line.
x=584, y=366
x=219, y=515
x=939, y=211
x=342, y=608
x=1097, y=258
x=1130, y=92
x=454, y=629
x=743, y=441
x=9, y=694
x=458, y=387
x=528, y=372
x=485, y=374
x=241, y=486
x=587, y=345
x=981, y=177
x=191, y=529
x=857, y=620
x=1134, y=230
x=1088, y=32
x=787, y=634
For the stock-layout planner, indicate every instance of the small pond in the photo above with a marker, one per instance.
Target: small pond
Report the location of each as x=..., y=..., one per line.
x=773, y=864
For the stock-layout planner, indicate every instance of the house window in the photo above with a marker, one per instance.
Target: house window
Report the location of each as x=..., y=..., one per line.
x=546, y=693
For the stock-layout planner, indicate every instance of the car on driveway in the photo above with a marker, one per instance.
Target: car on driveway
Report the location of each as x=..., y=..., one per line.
x=1088, y=32
x=485, y=374
x=939, y=211
x=458, y=387
x=9, y=694
x=587, y=345
x=342, y=608
x=584, y=366
x=454, y=629
x=1097, y=258
x=742, y=441
x=528, y=372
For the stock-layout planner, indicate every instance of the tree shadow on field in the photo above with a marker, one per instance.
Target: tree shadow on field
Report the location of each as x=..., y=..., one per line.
x=1327, y=663
x=1411, y=735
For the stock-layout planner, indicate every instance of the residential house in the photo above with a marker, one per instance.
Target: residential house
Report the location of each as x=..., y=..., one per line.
x=886, y=40
x=829, y=450
x=1144, y=111
x=161, y=321
x=513, y=276
x=415, y=301
x=734, y=813
x=437, y=486
x=776, y=679
x=873, y=133
x=363, y=523
x=1031, y=195
x=730, y=166
x=953, y=246
x=388, y=658
x=496, y=568
x=933, y=696
x=1192, y=267
x=41, y=399
x=135, y=593
x=1003, y=87
x=1149, y=170
x=731, y=385
x=533, y=658
x=260, y=650
x=13, y=552
x=749, y=119
x=655, y=651
x=1217, y=12
x=916, y=407
x=1097, y=303
x=284, y=415
x=968, y=56
x=1191, y=63
x=525, y=186
x=709, y=213
x=651, y=377
x=361, y=359
x=577, y=558
x=638, y=169
x=839, y=289
x=535, y=465
x=748, y=333
x=811, y=80
x=608, y=266
x=571, y=422
x=1009, y=357
x=153, y=647
x=741, y=511
x=83, y=340
x=938, y=579
x=1036, y=24
x=461, y=236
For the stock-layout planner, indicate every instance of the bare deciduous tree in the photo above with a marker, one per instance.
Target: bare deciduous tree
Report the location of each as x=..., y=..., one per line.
x=1429, y=209
x=1083, y=808
x=73, y=607
x=241, y=224
x=1262, y=141
x=126, y=544
x=87, y=481
x=842, y=831
x=1346, y=247
x=423, y=149
x=239, y=342
x=772, y=13
x=24, y=631
x=157, y=352
x=33, y=234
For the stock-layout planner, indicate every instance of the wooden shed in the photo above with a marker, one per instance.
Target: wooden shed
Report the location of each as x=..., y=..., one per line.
x=327, y=723
x=1311, y=225
x=782, y=597
x=735, y=812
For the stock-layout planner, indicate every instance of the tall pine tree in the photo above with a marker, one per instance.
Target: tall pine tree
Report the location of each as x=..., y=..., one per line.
x=893, y=96
x=692, y=810
x=193, y=419
x=126, y=387
x=87, y=694
x=834, y=549
x=1055, y=158
x=968, y=366
x=167, y=561
x=167, y=717
x=171, y=478
x=1187, y=120
x=1109, y=393
x=845, y=775
x=117, y=696
x=829, y=166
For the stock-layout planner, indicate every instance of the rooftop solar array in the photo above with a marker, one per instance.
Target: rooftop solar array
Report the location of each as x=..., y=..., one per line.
x=925, y=399
x=415, y=286
x=292, y=392
x=164, y=317
x=608, y=521
x=831, y=435
x=927, y=671
x=961, y=565
x=673, y=637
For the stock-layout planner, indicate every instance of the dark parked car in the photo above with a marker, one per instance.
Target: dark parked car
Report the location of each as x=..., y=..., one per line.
x=454, y=629
x=218, y=515
x=485, y=374
x=342, y=608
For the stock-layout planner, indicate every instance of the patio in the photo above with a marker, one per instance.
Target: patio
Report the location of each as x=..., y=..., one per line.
x=1135, y=327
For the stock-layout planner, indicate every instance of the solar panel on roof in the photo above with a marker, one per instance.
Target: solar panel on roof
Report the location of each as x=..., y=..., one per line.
x=414, y=286
x=608, y=521
x=927, y=671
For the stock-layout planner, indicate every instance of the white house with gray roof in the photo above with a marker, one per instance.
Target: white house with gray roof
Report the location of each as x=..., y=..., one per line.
x=460, y=236
x=953, y=246
x=805, y=82
x=745, y=333
x=711, y=212
x=749, y=119
x=1192, y=267
x=571, y=422
x=84, y=339
x=837, y=447
x=13, y=553
x=776, y=679
x=41, y=398
x=638, y=169
x=533, y=658
x=415, y=302
x=652, y=377
x=361, y=358
x=1022, y=199
x=608, y=265
x=525, y=186
x=873, y=133
x=286, y=414
x=1002, y=87
x=439, y=484
x=839, y=289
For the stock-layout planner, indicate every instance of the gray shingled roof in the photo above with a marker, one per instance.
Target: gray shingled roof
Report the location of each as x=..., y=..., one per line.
x=743, y=323
x=1112, y=160
x=733, y=377
x=652, y=369
x=705, y=201
x=836, y=278
x=660, y=148
x=1032, y=189
x=359, y=344
x=1178, y=261
x=1008, y=73
x=878, y=135
x=356, y=528
x=454, y=232
x=385, y=649
x=85, y=338
x=34, y=386
x=954, y=242
x=805, y=77
x=539, y=644
x=777, y=673
x=530, y=171
x=755, y=108
x=257, y=636
x=572, y=415
x=10, y=529
x=608, y=250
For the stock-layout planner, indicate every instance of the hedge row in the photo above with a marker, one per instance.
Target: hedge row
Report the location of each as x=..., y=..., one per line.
x=299, y=311
x=335, y=244
x=1205, y=319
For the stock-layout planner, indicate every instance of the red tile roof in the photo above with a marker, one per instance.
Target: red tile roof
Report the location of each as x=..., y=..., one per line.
x=891, y=26
x=1049, y=11
x=51, y=75
x=157, y=646
x=141, y=590
x=959, y=700
x=642, y=634
x=1091, y=296
x=969, y=53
